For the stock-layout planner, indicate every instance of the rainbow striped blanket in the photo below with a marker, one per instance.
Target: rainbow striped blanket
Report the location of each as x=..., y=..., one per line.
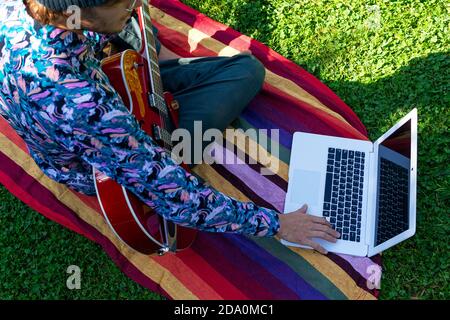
x=218, y=266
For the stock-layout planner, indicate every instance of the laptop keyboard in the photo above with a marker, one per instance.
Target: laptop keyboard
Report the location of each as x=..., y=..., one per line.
x=344, y=192
x=393, y=205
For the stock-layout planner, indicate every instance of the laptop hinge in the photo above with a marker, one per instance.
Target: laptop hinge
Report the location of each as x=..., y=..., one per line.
x=371, y=197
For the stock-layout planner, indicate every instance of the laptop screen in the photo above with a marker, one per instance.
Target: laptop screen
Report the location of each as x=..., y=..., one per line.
x=394, y=163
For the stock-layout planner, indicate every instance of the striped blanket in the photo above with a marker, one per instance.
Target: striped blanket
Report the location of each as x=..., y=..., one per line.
x=219, y=266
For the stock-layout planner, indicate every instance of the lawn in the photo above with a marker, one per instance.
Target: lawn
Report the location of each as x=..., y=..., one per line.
x=383, y=58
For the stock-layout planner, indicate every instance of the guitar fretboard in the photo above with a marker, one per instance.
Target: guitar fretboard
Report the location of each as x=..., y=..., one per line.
x=156, y=98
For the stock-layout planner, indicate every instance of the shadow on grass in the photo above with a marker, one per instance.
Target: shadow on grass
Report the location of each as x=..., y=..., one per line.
x=423, y=83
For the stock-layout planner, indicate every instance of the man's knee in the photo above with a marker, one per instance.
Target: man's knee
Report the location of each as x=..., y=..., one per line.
x=254, y=69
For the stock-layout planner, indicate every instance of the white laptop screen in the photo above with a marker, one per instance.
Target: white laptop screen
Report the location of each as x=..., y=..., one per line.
x=392, y=207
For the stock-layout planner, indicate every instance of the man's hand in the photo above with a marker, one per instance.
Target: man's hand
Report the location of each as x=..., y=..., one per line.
x=300, y=228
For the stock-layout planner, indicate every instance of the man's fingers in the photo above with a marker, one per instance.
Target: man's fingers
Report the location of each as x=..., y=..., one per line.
x=323, y=235
x=303, y=209
x=320, y=220
x=316, y=246
x=327, y=229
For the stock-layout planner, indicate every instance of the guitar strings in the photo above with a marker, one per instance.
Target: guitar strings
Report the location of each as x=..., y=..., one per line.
x=151, y=48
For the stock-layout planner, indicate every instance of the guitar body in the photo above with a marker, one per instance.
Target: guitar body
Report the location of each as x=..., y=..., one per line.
x=132, y=221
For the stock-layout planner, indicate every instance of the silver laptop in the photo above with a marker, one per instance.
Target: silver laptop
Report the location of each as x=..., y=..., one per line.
x=367, y=191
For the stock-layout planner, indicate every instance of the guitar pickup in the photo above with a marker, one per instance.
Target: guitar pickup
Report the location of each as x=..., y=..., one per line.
x=152, y=100
x=157, y=135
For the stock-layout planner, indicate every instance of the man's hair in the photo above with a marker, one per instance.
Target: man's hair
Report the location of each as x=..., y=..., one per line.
x=44, y=15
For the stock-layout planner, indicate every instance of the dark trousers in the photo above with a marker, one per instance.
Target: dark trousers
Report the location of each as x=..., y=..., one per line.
x=213, y=90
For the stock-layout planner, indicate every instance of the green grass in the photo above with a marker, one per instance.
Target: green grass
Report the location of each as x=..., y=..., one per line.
x=35, y=254
x=382, y=70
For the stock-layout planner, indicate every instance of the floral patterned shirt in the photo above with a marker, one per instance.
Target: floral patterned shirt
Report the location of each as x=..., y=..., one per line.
x=55, y=95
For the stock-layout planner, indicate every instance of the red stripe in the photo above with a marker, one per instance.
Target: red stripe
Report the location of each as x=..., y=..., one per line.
x=90, y=201
x=256, y=268
x=319, y=121
x=178, y=43
x=235, y=266
x=11, y=134
x=196, y=265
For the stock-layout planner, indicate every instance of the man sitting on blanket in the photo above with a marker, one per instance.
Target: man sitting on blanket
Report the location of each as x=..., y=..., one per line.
x=55, y=95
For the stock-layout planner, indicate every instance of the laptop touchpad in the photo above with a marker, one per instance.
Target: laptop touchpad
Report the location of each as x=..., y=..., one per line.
x=305, y=187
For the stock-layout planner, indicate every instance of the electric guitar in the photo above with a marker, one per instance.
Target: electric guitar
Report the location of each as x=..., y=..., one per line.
x=136, y=77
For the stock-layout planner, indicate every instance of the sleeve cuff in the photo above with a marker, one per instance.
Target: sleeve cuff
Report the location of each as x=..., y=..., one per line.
x=269, y=223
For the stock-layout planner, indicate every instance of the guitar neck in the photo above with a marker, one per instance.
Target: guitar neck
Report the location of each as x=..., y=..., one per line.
x=156, y=97
x=150, y=52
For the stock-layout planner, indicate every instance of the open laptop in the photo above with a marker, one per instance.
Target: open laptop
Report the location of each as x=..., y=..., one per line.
x=366, y=190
